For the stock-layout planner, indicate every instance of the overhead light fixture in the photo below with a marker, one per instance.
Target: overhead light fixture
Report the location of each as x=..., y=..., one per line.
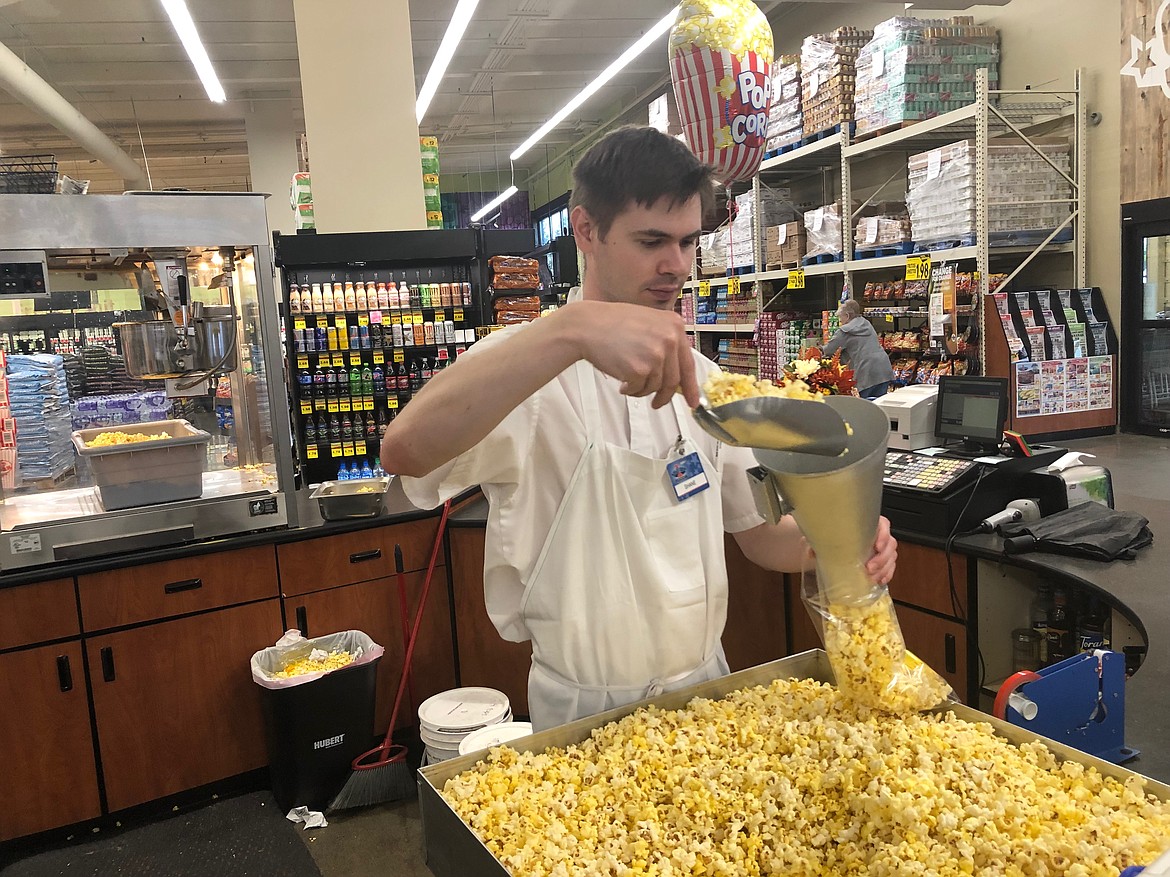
x=185, y=27
x=494, y=203
x=593, y=87
x=459, y=21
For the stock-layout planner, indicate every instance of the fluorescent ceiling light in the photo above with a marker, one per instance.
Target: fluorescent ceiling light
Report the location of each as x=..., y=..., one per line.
x=185, y=28
x=459, y=21
x=593, y=87
x=494, y=203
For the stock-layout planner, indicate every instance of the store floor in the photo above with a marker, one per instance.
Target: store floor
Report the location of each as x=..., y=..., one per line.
x=386, y=839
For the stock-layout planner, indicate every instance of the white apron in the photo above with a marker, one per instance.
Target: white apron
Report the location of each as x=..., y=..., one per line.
x=628, y=597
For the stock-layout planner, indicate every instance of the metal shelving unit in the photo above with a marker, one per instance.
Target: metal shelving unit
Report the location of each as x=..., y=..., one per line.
x=1020, y=114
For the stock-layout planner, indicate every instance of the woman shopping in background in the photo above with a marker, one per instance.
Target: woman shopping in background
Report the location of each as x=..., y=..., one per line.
x=861, y=351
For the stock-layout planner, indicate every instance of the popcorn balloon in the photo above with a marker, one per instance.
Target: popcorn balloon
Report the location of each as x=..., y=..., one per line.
x=720, y=63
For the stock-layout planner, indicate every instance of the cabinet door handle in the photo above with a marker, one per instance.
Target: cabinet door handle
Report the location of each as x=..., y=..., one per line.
x=373, y=554
x=949, y=649
x=185, y=585
x=303, y=621
x=399, y=566
x=108, y=664
x=64, y=674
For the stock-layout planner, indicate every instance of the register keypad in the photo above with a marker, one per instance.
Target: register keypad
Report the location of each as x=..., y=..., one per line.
x=920, y=472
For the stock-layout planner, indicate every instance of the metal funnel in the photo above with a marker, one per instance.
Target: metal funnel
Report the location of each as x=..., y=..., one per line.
x=836, y=501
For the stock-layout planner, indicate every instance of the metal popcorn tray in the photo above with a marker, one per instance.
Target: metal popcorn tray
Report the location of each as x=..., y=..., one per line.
x=453, y=850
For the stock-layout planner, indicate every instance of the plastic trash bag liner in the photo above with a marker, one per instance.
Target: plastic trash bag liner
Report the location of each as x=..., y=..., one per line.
x=1087, y=530
x=294, y=647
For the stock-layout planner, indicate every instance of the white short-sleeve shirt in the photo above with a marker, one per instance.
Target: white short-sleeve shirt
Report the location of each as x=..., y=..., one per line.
x=525, y=463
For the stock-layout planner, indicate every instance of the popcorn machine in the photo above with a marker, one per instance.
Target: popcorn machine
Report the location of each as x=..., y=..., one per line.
x=143, y=400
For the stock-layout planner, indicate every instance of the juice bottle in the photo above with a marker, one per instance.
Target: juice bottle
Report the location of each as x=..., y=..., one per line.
x=383, y=296
x=359, y=293
x=294, y=299
x=318, y=301
x=350, y=297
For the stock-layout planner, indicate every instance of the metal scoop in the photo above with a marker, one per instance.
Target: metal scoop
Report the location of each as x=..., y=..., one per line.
x=775, y=423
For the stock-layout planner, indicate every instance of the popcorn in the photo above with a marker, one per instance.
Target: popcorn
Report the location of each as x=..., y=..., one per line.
x=736, y=25
x=318, y=661
x=116, y=437
x=793, y=778
x=723, y=387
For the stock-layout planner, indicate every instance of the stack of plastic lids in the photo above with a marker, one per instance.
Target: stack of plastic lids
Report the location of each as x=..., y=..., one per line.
x=494, y=735
x=450, y=716
x=39, y=397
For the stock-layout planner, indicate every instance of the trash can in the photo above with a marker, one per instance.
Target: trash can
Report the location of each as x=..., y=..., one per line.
x=316, y=725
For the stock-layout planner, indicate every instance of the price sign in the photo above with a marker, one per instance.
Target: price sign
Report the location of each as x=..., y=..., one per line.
x=392, y=403
x=332, y=406
x=299, y=324
x=918, y=267
x=335, y=450
x=796, y=278
x=355, y=359
x=306, y=406
x=379, y=357
x=417, y=318
x=344, y=405
x=347, y=449
x=704, y=289
x=458, y=315
x=311, y=452
x=399, y=355
x=363, y=319
x=318, y=404
x=342, y=329
x=732, y=286
x=443, y=354
x=338, y=360
x=368, y=404
x=395, y=318
x=302, y=362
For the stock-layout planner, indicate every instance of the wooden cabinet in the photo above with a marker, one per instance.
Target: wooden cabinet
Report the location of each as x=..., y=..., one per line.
x=805, y=633
x=49, y=776
x=175, y=703
x=37, y=613
x=374, y=607
x=155, y=591
x=941, y=643
x=484, y=658
x=756, y=630
x=921, y=580
x=346, y=558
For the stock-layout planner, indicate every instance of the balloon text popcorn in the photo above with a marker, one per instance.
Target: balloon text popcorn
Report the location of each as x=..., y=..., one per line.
x=720, y=63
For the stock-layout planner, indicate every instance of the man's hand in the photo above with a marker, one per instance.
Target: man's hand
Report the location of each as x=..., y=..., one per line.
x=644, y=348
x=880, y=566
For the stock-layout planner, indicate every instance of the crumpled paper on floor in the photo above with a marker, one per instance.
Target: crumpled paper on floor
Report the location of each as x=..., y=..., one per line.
x=310, y=818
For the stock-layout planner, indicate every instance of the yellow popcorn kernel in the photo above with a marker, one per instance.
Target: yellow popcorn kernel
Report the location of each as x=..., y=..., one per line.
x=723, y=387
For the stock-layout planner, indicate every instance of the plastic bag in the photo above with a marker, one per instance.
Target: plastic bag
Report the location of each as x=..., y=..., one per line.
x=513, y=263
x=292, y=647
x=870, y=660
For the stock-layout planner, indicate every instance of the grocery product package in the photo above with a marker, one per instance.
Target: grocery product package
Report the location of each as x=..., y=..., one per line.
x=713, y=251
x=293, y=647
x=864, y=643
x=785, y=245
x=773, y=208
x=823, y=228
x=785, y=119
x=828, y=74
x=917, y=69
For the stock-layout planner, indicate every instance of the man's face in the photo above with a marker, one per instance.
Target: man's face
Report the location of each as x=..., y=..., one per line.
x=645, y=257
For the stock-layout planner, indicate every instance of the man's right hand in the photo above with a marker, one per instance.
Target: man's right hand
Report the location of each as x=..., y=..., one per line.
x=646, y=349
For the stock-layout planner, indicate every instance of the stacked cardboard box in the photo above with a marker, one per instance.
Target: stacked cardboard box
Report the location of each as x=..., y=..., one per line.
x=785, y=119
x=785, y=245
x=941, y=196
x=916, y=69
x=828, y=77
x=775, y=208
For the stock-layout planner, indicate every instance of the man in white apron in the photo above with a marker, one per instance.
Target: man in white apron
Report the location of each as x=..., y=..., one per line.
x=607, y=504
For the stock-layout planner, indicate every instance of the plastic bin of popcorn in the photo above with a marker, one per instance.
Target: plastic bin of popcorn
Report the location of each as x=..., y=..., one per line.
x=318, y=699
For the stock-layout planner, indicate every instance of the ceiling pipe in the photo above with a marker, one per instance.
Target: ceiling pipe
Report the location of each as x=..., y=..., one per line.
x=30, y=89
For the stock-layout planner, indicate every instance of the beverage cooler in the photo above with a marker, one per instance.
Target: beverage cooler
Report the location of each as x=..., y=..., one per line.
x=369, y=318
x=1145, y=317
x=141, y=344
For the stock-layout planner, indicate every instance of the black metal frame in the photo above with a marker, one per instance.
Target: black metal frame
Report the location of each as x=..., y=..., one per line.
x=1138, y=221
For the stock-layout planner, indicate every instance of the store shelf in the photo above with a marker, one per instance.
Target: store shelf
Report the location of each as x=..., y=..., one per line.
x=717, y=281
x=937, y=128
x=956, y=254
x=731, y=328
x=820, y=154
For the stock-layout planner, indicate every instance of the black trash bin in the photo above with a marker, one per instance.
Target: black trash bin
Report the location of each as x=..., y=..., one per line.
x=316, y=730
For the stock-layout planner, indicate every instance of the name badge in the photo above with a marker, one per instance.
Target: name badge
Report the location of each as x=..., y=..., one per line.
x=685, y=471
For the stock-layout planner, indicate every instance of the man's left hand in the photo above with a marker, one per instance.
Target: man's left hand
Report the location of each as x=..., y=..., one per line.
x=880, y=566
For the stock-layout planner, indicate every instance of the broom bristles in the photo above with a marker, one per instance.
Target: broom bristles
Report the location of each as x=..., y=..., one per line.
x=384, y=784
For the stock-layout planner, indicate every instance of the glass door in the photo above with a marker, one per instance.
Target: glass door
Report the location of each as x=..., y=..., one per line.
x=1145, y=303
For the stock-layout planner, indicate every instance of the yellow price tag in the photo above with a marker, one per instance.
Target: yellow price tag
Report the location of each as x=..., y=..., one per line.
x=318, y=404
x=343, y=405
x=363, y=319
x=303, y=363
x=368, y=404
x=392, y=403
x=399, y=355
x=347, y=449
x=355, y=359
x=396, y=319
x=338, y=360
x=458, y=315
x=299, y=324
x=335, y=450
x=306, y=406
x=339, y=322
x=704, y=289
x=796, y=278
x=332, y=406
x=379, y=357
x=918, y=267
x=732, y=286
x=417, y=318
x=311, y=452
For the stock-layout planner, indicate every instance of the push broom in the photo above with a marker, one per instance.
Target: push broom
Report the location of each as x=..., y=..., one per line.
x=383, y=775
